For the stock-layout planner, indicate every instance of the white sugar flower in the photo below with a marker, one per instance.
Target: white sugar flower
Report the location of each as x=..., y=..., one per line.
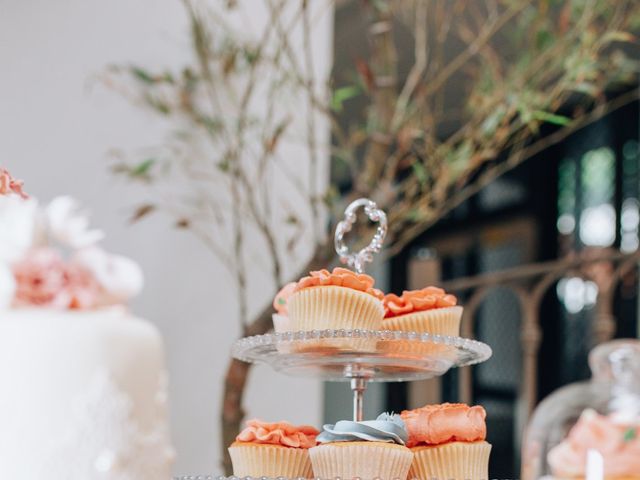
x=69, y=225
x=119, y=277
x=18, y=219
x=7, y=286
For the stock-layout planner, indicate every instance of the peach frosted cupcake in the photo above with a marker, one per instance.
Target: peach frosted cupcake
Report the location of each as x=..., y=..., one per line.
x=273, y=450
x=429, y=310
x=448, y=441
x=367, y=450
x=335, y=300
x=616, y=439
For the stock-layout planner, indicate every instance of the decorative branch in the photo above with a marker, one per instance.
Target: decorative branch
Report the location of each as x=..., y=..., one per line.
x=311, y=124
x=384, y=73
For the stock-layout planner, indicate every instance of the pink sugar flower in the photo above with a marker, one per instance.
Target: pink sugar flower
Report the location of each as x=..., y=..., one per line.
x=9, y=185
x=41, y=279
x=82, y=288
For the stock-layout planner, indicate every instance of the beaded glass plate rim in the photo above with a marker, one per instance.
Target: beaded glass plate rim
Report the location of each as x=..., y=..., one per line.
x=246, y=344
x=220, y=477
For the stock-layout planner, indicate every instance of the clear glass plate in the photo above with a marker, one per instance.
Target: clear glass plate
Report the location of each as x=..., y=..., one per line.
x=217, y=477
x=342, y=355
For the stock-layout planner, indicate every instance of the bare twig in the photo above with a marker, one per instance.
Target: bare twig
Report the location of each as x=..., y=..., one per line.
x=384, y=68
x=418, y=68
x=311, y=124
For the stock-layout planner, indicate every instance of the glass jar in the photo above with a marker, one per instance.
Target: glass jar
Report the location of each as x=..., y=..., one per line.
x=590, y=429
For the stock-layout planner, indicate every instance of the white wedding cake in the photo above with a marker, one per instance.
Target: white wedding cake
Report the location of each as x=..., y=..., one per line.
x=83, y=391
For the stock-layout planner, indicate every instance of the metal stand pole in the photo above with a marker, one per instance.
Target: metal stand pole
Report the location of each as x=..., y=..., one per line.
x=358, y=385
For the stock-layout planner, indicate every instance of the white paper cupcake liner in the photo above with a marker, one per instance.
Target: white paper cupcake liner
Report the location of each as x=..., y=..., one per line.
x=459, y=460
x=331, y=307
x=437, y=321
x=366, y=460
x=257, y=460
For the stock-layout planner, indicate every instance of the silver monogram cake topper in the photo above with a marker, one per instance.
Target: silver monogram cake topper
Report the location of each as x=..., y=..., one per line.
x=357, y=260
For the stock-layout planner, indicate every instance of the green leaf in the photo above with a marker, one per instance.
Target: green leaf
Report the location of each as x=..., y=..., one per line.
x=420, y=172
x=213, y=125
x=143, y=75
x=224, y=165
x=458, y=158
x=414, y=215
x=168, y=77
x=143, y=168
x=381, y=5
x=251, y=55
x=630, y=434
x=544, y=39
x=157, y=104
x=551, y=118
x=342, y=94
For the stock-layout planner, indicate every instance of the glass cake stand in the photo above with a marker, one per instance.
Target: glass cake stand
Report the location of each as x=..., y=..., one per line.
x=361, y=356
x=357, y=356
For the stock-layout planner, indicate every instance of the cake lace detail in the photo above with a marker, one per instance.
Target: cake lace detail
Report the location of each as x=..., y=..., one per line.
x=103, y=439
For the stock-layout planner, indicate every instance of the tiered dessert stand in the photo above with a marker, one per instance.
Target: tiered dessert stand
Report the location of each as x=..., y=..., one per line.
x=390, y=356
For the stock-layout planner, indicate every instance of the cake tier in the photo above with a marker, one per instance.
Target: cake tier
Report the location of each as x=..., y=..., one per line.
x=83, y=395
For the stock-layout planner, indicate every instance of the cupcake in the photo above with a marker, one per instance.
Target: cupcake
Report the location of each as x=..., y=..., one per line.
x=448, y=441
x=273, y=450
x=281, y=306
x=340, y=299
x=370, y=449
x=430, y=310
x=616, y=439
x=335, y=300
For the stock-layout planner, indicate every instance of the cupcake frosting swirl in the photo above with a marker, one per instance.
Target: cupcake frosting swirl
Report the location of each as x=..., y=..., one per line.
x=340, y=277
x=416, y=301
x=447, y=422
x=386, y=428
x=280, y=433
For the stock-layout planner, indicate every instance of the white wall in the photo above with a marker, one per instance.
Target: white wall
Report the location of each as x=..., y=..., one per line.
x=56, y=125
